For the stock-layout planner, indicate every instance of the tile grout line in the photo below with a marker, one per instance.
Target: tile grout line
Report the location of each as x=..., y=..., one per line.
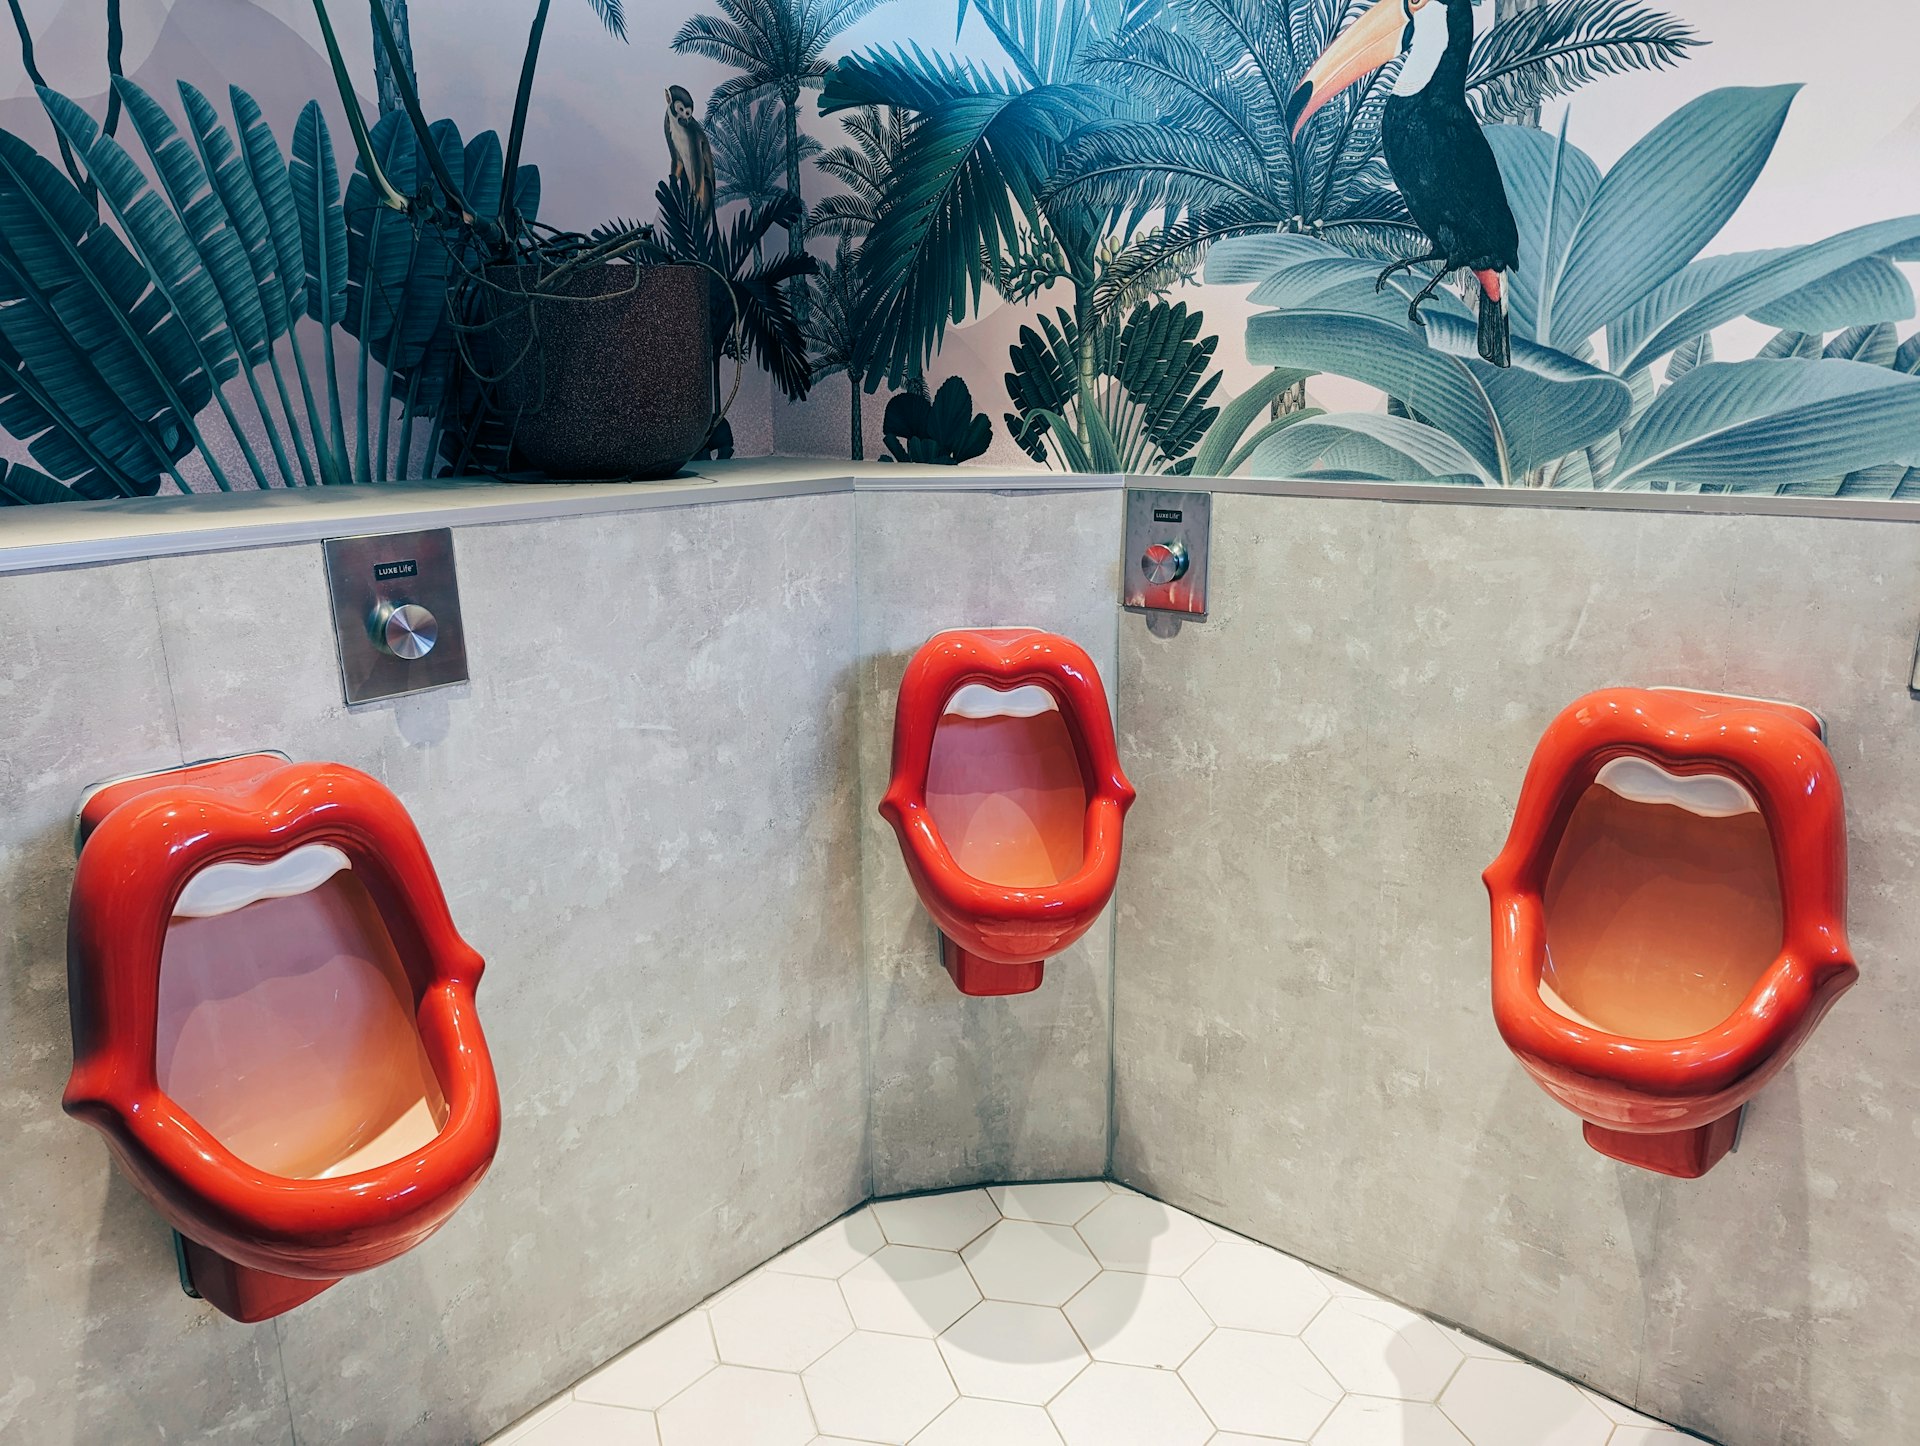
x=1646, y=1310
x=857, y=659
x=286, y=1388
x=1113, y=917
x=960, y=1394
x=166, y=663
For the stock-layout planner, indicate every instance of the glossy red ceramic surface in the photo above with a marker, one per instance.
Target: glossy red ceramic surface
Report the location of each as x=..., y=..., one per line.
x=1671, y=1105
x=998, y=935
x=142, y=841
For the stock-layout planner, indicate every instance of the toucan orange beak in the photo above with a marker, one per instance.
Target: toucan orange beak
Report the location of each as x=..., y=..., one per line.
x=1362, y=48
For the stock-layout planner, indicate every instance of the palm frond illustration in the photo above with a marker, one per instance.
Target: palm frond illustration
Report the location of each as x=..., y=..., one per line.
x=878, y=137
x=1214, y=154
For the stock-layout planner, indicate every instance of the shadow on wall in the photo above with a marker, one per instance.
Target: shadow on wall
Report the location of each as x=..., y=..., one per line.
x=1519, y=1203
x=968, y=1089
x=1748, y=1215
x=132, y=1282
x=69, y=1203
x=967, y=1038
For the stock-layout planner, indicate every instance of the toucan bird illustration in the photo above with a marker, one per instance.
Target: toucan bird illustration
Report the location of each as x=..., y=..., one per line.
x=1435, y=149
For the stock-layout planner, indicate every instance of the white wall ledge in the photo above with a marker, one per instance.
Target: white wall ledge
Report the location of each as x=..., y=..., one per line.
x=81, y=534
x=36, y=539
x=1569, y=499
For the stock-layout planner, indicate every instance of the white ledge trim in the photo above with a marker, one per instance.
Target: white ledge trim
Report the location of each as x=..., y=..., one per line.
x=171, y=526
x=36, y=539
x=1566, y=500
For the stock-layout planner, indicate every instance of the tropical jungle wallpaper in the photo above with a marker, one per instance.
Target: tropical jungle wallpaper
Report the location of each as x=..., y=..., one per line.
x=1521, y=243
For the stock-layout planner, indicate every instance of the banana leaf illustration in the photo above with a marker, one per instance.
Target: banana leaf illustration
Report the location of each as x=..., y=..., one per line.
x=102, y=379
x=121, y=330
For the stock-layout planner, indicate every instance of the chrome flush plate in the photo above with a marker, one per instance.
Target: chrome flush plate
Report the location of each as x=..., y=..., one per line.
x=396, y=613
x=1164, y=568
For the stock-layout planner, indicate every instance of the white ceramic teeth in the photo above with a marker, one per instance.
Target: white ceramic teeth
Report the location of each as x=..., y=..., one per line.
x=1709, y=795
x=977, y=700
x=226, y=888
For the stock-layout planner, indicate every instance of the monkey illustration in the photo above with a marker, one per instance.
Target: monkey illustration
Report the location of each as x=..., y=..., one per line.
x=692, y=153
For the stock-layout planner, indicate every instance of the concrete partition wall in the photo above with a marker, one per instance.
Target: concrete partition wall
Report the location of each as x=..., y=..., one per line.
x=1304, y=1046
x=716, y=1007
x=965, y=1090
x=642, y=809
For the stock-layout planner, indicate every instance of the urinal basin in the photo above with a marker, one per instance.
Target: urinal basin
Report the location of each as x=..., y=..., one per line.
x=1669, y=914
x=274, y=1022
x=1004, y=787
x=1007, y=798
x=285, y=1027
x=1662, y=905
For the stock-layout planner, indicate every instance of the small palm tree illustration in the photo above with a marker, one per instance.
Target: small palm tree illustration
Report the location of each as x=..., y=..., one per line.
x=967, y=200
x=842, y=334
x=879, y=138
x=750, y=142
x=780, y=49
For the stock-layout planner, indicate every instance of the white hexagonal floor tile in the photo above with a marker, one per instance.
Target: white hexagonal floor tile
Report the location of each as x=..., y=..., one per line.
x=1260, y=1384
x=1376, y=1348
x=1110, y=1405
x=1510, y=1403
x=938, y=1222
x=1372, y=1421
x=1138, y=1320
x=970, y=1422
x=1189, y=1336
x=1131, y=1232
x=1012, y=1352
x=1064, y=1202
x=1252, y=1288
x=656, y=1370
x=1023, y=1260
x=780, y=1322
x=738, y=1406
x=878, y=1388
x=834, y=1251
x=907, y=1291
x=578, y=1423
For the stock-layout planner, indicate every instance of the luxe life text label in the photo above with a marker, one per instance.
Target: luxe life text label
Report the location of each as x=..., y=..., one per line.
x=388, y=571
x=1168, y=514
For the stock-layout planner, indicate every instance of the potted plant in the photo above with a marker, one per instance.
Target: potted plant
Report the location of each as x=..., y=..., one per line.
x=578, y=355
x=599, y=366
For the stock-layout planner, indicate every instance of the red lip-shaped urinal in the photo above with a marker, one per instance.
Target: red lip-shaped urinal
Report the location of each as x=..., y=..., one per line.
x=1669, y=914
x=274, y=1024
x=1008, y=799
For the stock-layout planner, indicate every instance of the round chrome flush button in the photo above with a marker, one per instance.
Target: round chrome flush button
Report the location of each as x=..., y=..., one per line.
x=1164, y=562
x=403, y=630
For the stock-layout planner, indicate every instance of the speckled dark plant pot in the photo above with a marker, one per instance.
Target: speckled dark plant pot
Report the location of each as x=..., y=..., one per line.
x=615, y=383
